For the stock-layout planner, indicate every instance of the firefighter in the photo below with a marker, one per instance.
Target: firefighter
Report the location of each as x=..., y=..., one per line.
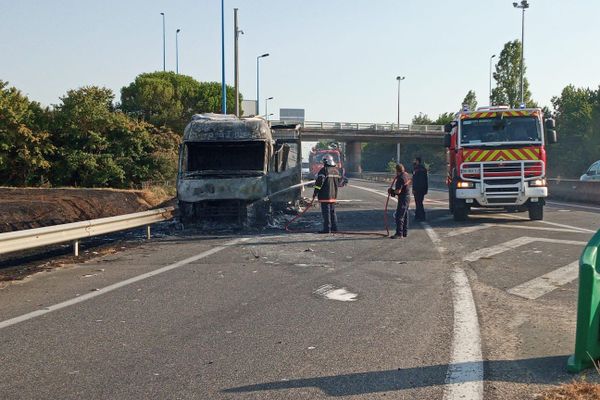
x=402, y=190
x=326, y=189
x=420, y=186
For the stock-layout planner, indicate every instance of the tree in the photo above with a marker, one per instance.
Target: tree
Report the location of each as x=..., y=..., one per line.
x=577, y=112
x=470, y=100
x=444, y=118
x=508, y=77
x=422, y=119
x=100, y=146
x=24, y=140
x=169, y=99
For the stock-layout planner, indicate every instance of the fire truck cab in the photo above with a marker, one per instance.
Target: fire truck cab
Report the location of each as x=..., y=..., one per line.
x=497, y=159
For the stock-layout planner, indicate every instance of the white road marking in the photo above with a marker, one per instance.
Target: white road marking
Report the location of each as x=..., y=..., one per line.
x=437, y=201
x=118, y=285
x=537, y=228
x=561, y=204
x=513, y=244
x=468, y=229
x=584, y=230
x=475, y=228
x=546, y=283
x=464, y=379
x=373, y=191
x=434, y=238
x=332, y=293
x=391, y=198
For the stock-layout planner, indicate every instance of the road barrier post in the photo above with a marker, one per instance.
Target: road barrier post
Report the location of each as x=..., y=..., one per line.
x=587, y=336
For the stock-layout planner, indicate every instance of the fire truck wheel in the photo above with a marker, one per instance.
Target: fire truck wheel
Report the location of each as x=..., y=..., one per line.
x=460, y=213
x=451, y=198
x=536, y=212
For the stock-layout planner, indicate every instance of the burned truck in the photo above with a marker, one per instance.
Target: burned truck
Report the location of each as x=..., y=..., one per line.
x=236, y=169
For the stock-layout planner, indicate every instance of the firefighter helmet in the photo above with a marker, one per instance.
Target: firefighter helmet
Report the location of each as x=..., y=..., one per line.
x=328, y=161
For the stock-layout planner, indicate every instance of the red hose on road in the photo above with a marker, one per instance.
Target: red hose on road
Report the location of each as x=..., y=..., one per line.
x=385, y=219
x=287, y=226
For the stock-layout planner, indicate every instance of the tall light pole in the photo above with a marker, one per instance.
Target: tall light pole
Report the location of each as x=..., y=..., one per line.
x=523, y=6
x=177, y=51
x=223, y=86
x=493, y=55
x=399, y=79
x=266, y=106
x=258, y=81
x=236, y=35
x=164, y=43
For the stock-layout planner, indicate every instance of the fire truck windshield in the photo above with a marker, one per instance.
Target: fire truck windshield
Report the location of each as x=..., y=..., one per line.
x=319, y=157
x=474, y=132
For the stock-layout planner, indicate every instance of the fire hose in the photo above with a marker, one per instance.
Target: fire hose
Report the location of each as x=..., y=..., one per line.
x=311, y=204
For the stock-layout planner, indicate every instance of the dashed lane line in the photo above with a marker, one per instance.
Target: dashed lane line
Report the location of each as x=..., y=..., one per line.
x=513, y=244
x=546, y=283
x=118, y=285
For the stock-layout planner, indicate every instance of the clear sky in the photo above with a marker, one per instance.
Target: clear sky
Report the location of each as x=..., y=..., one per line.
x=338, y=59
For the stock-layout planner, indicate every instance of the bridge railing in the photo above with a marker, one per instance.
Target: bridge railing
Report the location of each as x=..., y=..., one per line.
x=366, y=126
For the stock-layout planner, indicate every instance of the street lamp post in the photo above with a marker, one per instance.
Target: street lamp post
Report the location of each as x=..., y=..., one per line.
x=164, y=43
x=177, y=51
x=266, y=106
x=258, y=81
x=236, y=35
x=493, y=55
x=523, y=6
x=399, y=79
x=223, y=87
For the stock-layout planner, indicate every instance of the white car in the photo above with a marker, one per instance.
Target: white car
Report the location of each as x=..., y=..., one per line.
x=593, y=173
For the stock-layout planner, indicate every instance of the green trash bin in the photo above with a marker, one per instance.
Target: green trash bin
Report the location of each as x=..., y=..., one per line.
x=587, y=337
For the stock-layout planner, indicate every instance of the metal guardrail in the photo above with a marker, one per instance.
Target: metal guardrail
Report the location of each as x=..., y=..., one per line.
x=366, y=126
x=73, y=232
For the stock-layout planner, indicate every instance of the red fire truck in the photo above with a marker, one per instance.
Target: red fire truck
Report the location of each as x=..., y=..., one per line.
x=315, y=159
x=497, y=159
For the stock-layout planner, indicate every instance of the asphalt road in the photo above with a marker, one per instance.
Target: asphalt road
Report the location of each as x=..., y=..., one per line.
x=281, y=315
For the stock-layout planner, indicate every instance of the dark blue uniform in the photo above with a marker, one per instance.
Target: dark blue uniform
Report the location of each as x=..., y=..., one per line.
x=402, y=187
x=420, y=187
x=326, y=188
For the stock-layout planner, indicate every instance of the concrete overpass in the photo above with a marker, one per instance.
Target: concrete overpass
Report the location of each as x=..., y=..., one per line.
x=354, y=134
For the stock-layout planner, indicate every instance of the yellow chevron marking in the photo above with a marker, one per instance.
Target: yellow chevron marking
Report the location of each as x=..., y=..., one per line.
x=509, y=156
x=493, y=155
x=531, y=154
x=520, y=156
x=483, y=155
